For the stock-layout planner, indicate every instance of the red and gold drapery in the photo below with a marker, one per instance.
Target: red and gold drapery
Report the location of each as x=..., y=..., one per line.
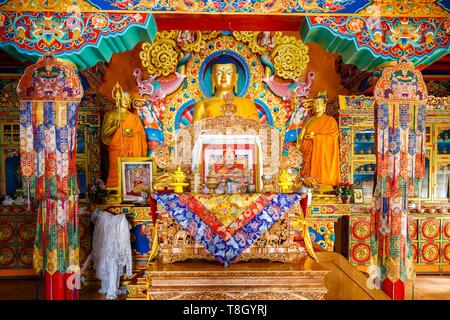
x=49, y=93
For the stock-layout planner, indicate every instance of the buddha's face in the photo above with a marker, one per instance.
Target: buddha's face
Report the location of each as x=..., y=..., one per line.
x=125, y=102
x=224, y=76
x=319, y=106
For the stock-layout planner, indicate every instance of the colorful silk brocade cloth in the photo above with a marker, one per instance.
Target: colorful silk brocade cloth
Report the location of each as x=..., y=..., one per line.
x=400, y=168
x=226, y=225
x=49, y=93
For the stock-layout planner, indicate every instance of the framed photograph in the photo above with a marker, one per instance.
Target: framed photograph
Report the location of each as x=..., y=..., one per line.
x=136, y=179
x=358, y=196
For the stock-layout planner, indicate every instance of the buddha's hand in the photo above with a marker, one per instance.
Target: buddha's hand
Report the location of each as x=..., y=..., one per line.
x=115, y=122
x=310, y=135
x=128, y=132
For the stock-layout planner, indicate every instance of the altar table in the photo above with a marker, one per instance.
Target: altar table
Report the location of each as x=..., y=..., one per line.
x=227, y=228
x=303, y=279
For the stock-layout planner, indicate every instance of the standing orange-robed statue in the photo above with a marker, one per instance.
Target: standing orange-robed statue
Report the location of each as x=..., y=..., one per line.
x=123, y=133
x=319, y=142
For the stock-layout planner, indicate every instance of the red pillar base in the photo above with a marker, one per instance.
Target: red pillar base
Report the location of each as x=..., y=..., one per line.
x=57, y=288
x=396, y=290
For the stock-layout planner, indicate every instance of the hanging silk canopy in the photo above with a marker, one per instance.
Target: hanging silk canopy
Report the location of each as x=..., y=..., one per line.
x=49, y=93
x=401, y=96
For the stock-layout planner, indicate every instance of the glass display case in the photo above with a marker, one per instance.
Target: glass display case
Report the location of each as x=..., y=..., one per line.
x=441, y=162
x=11, y=133
x=10, y=182
x=443, y=142
x=364, y=142
x=88, y=150
x=442, y=180
x=363, y=178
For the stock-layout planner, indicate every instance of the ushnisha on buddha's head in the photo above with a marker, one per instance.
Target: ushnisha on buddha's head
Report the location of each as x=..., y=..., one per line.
x=320, y=100
x=224, y=76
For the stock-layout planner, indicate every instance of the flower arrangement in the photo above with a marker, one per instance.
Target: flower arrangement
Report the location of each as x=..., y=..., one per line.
x=306, y=182
x=344, y=190
x=96, y=191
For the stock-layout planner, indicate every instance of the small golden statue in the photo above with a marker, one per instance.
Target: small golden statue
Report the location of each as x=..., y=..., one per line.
x=178, y=178
x=268, y=184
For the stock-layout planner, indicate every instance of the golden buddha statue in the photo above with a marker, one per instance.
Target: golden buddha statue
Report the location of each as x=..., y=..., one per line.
x=123, y=133
x=319, y=143
x=224, y=78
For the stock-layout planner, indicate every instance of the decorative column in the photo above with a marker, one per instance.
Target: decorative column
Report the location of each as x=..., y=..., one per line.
x=400, y=95
x=49, y=93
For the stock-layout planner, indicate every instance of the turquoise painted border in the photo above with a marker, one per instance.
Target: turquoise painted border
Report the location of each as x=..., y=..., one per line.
x=92, y=53
x=363, y=57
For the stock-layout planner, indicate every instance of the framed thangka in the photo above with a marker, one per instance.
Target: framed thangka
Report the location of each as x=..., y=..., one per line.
x=136, y=178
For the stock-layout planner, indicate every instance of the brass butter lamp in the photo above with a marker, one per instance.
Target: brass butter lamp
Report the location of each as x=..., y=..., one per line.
x=285, y=181
x=178, y=178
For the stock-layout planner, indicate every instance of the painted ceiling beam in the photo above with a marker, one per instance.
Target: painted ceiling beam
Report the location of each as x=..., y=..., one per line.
x=371, y=42
x=228, y=22
x=83, y=38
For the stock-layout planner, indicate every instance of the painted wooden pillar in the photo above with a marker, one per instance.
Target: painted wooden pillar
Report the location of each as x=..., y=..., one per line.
x=400, y=96
x=49, y=93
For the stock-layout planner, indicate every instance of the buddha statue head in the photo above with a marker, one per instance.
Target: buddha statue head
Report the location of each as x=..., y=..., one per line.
x=224, y=76
x=125, y=100
x=320, y=105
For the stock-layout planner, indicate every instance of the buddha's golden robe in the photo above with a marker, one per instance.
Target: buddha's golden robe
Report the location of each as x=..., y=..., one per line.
x=133, y=146
x=321, y=153
x=213, y=108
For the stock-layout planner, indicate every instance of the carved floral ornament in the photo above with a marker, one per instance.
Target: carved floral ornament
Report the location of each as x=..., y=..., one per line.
x=290, y=57
x=289, y=54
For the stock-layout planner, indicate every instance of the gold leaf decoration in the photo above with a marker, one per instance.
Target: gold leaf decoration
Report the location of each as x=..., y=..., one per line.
x=160, y=57
x=189, y=40
x=253, y=39
x=290, y=57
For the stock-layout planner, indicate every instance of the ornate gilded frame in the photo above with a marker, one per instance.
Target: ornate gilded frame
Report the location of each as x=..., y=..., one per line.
x=137, y=160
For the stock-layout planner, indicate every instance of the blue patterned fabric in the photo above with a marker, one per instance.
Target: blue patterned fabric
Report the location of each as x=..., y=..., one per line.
x=227, y=251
